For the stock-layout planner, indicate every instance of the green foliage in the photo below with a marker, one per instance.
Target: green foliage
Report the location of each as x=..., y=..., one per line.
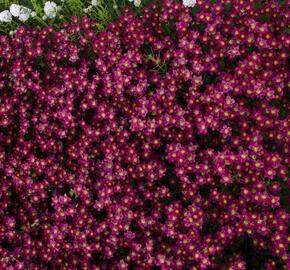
x=102, y=15
x=159, y=65
x=73, y=194
x=74, y=7
x=104, y=12
x=36, y=6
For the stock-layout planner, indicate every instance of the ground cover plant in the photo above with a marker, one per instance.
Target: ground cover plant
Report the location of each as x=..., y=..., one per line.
x=160, y=142
x=39, y=13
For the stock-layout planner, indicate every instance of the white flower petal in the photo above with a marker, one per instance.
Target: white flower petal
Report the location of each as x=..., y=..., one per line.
x=5, y=16
x=95, y=2
x=15, y=10
x=24, y=14
x=137, y=3
x=189, y=3
x=50, y=9
x=24, y=17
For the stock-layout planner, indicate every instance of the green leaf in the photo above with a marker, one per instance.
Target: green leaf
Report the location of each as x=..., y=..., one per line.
x=73, y=194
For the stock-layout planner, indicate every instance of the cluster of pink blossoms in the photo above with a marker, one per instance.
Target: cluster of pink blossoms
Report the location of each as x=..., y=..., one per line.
x=160, y=143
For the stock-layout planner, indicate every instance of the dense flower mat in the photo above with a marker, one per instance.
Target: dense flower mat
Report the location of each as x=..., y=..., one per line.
x=161, y=143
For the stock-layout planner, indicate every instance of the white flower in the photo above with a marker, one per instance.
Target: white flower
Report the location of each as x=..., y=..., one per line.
x=15, y=10
x=189, y=3
x=33, y=14
x=5, y=16
x=50, y=9
x=24, y=17
x=95, y=2
x=88, y=9
x=21, y=12
x=137, y=3
x=24, y=14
